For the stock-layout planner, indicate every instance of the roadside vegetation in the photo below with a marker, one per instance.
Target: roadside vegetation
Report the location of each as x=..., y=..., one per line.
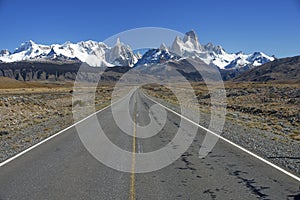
x=273, y=107
x=32, y=111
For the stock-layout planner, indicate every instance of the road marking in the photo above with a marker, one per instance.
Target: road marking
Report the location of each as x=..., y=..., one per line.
x=56, y=134
x=140, y=148
x=228, y=141
x=132, y=175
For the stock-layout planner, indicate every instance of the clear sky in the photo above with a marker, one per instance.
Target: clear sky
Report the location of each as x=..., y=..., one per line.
x=271, y=26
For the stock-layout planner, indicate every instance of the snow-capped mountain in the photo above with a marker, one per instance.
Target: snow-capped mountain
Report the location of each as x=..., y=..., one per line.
x=156, y=56
x=4, y=52
x=189, y=46
x=91, y=52
x=121, y=55
x=99, y=54
x=213, y=55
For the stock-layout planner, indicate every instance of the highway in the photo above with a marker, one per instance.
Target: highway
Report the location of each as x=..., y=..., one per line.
x=62, y=168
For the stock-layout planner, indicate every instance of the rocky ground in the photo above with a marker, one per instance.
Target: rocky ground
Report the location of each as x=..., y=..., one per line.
x=263, y=118
x=32, y=114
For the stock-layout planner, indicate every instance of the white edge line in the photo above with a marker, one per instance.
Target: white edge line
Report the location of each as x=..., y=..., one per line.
x=230, y=142
x=56, y=134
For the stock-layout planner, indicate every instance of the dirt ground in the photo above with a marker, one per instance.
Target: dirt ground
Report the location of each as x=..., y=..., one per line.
x=32, y=111
x=274, y=107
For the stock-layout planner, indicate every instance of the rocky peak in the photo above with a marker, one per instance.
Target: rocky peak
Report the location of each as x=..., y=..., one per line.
x=5, y=52
x=192, y=37
x=163, y=47
x=25, y=46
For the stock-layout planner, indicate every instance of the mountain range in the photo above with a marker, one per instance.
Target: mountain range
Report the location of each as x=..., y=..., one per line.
x=280, y=70
x=99, y=54
x=91, y=52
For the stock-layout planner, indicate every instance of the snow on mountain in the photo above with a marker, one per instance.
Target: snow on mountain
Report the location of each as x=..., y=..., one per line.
x=27, y=50
x=91, y=52
x=99, y=54
x=191, y=40
x=163, y=47
x=190, y=46
x=258, y=58
x=156, y=56
x=4, y=52
x=121, y=55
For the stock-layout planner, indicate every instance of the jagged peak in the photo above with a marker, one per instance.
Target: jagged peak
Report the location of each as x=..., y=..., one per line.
x=119, y=44
x=257, y=53
x=138, y=55
x=30, y=42
x=118, y=41
x=5, y=52
x=209, y=44
x=89, y=43
x=177, y=39
x=68, y=42
x=25, y=46
x=190, y=34
x=163, y=47
x=122, y=54
x=192, y=38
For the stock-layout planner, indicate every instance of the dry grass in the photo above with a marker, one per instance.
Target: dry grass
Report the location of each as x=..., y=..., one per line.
x=24, y=105
x=8, y=84
x=273, y=107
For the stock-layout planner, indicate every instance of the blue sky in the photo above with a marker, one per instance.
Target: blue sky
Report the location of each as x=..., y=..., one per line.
x=271, y=26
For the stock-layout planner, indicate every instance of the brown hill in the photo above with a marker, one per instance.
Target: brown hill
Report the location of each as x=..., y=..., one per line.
x=285, y=69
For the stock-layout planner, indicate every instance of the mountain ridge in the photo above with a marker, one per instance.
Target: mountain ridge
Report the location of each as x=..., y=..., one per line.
x=283, y=69
x=99, y=54
x=92, y=52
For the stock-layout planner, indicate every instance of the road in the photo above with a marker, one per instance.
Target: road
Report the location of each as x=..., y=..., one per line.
x=62, y=168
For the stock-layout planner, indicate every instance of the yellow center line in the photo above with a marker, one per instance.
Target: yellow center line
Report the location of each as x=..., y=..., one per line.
x=132, y=176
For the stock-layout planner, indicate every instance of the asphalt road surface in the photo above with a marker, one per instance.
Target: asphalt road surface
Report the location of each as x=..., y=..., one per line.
x=62, y=168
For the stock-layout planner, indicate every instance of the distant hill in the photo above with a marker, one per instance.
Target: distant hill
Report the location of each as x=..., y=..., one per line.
x=285, y=69
x=58, y=71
